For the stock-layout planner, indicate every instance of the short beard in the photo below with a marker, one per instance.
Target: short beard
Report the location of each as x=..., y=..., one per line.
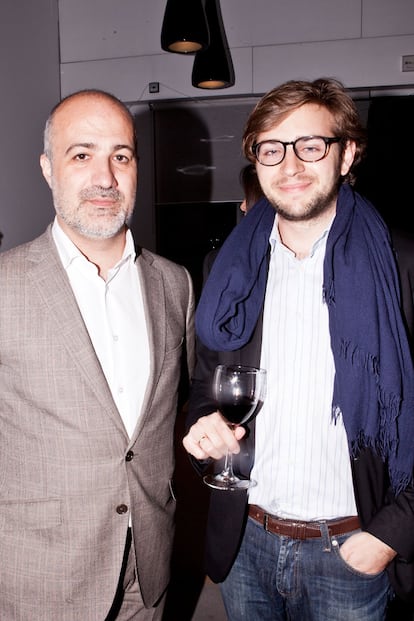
x=98, y=231
x=101, y=228
x=318, y=205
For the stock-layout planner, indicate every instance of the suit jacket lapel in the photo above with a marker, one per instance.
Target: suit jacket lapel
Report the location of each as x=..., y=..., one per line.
x=52, y=283
x=155, y=315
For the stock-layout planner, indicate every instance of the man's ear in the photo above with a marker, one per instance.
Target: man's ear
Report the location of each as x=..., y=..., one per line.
x=348, y=157
x=46, y=167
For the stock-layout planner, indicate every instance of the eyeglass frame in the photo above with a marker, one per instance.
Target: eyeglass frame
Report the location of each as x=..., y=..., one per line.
x=328, y=140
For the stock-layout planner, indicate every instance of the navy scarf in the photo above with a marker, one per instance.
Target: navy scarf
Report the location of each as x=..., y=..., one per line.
x=374, y=379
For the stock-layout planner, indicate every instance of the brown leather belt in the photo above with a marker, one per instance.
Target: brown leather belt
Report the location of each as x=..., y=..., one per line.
x=297, y=529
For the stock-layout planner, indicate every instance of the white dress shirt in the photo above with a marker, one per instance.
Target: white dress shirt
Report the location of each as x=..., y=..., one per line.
x=302, y=465
x=113, y=313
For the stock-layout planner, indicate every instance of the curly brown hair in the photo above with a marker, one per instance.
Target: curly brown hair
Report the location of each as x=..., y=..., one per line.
x=273, y=108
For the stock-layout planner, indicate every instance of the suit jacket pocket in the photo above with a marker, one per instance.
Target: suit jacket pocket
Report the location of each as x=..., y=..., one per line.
x=30, y=514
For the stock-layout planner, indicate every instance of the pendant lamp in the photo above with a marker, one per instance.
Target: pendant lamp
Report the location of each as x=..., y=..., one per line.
x=184, y=28
x=213, y=67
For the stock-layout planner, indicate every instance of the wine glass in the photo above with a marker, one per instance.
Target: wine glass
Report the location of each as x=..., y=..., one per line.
x=239, y=392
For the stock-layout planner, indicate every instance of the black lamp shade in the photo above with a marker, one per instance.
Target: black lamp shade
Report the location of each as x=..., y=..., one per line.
x=213, y=67
x=184, y=28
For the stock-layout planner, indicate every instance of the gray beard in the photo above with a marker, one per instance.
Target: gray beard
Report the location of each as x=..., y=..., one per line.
x=95, y=229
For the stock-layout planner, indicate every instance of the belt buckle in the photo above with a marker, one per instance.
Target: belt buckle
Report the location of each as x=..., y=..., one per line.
x=298, y=530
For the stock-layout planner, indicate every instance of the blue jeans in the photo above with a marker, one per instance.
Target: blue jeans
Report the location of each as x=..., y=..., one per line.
x=276, y=578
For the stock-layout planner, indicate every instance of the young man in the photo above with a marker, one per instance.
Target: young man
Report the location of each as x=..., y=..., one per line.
x=92, y=334
x=306, y=287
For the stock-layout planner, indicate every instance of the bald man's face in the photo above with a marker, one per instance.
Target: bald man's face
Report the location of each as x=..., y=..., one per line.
x=92, y=166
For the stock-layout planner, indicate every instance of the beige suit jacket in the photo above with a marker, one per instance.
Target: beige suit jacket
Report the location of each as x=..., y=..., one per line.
x=70, y=478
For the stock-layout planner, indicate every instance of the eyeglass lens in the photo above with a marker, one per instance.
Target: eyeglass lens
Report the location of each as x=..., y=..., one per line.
x=307, y=149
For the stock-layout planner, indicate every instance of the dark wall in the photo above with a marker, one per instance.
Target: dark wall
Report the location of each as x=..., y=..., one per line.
x=386, y=176
x=198, y=158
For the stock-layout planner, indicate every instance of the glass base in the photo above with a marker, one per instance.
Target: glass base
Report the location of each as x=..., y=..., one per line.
x=224, y=482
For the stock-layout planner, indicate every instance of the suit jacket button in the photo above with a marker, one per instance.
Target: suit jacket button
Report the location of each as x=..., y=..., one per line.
x=129, y=456
x=121, y=509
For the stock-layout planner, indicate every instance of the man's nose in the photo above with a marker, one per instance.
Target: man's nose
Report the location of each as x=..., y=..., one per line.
x=103, y=174
x=291, y=164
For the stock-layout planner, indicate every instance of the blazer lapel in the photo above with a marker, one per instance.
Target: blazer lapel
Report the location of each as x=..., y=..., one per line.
x=52, y=283
x=155, y=315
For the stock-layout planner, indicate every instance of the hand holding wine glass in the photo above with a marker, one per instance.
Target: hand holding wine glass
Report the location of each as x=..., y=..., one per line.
x=239, y=392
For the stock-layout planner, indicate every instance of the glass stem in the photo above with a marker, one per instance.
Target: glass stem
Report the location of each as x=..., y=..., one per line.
x=228, y=466
x=227, y=472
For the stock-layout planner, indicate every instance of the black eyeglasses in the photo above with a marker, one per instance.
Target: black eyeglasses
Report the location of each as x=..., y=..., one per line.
x=306, y=148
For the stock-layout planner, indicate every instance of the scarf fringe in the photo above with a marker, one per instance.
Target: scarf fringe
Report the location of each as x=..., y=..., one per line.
x=389, y=410
x=328, y=294
x=389, y=402
x=363, y=360
x=399, y=480
x=383, y=440
x=383, y=446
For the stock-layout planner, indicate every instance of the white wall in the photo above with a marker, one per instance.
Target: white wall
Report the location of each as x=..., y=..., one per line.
x=117, y=46
x=53, y=47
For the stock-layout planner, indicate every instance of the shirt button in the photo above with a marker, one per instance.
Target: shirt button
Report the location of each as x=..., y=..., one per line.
x=129, y=456
x=121, y=509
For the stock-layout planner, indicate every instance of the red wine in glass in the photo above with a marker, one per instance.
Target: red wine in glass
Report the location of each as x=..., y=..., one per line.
x=237, y=410
x=239, y=392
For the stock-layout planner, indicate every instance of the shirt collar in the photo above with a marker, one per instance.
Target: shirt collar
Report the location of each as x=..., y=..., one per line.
x=68, y=252
x=274, y=237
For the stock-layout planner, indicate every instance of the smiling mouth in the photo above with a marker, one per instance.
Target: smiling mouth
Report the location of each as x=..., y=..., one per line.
x=293, y=187
x=102, y=203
